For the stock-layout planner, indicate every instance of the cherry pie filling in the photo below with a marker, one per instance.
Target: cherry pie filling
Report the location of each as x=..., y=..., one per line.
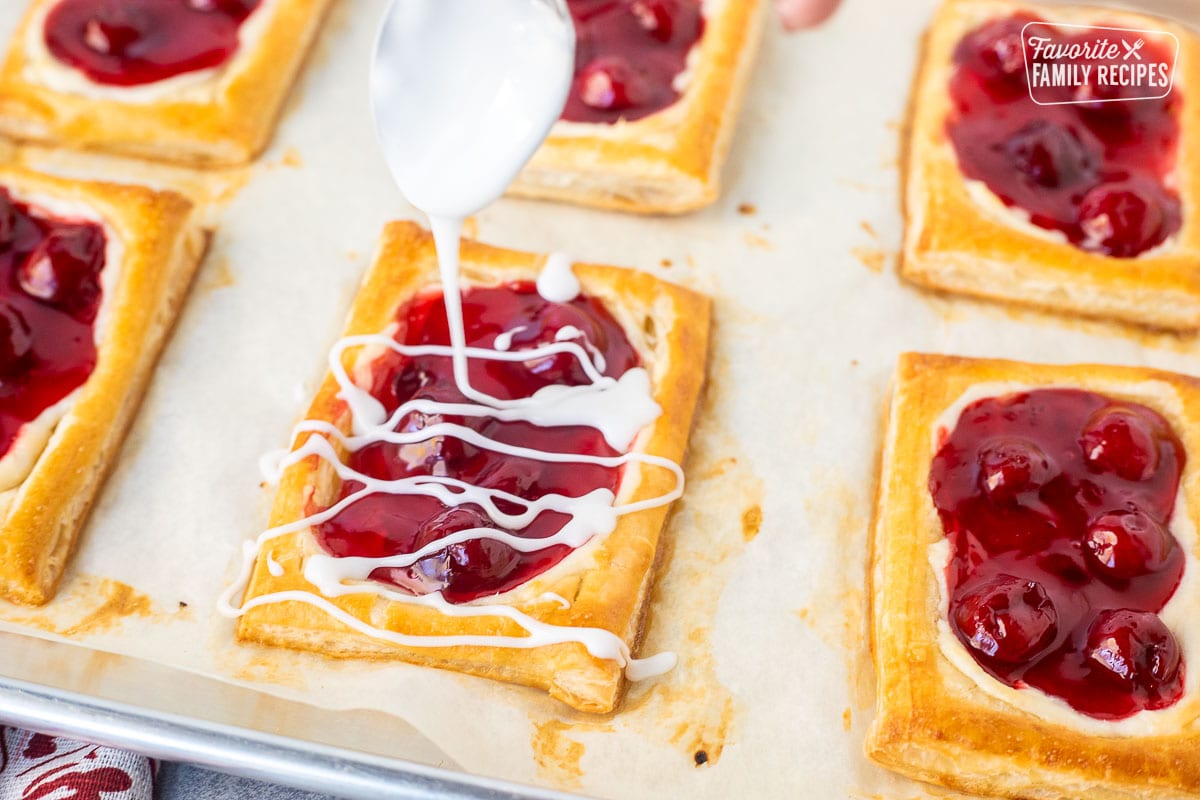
x=1057, y=506
x=50, y=295
x=628, y=56
x=1098, y=172
x=135, y=42
x=382, y=525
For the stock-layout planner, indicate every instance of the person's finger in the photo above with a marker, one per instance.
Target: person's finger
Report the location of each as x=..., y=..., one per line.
x=798, y=14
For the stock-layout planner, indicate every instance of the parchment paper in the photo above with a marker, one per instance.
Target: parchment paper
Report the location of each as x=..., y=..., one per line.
x=762, y=593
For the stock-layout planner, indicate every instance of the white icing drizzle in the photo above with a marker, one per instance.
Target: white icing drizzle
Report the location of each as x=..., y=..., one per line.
x=568, y=332
x=504, y=340
x=618, y=408
x=463, y=158
x=273, y=566
x=557, y=282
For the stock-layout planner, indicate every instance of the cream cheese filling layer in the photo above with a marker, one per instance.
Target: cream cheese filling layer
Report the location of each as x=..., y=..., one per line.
x=1179, y=614
x=31, y=441
x=1019, y=219
x=199, y=86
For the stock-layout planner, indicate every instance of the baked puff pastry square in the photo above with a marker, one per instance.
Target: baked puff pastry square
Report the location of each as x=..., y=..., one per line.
x=101, y=334
x=215, y=116
x=940, y=717
x=670, y=161
x=961, y=237
x=599, y=592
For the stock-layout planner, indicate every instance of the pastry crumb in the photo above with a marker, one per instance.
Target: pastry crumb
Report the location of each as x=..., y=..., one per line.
x=871, y=258
x=758, y=242
x=666, y=262
x=701, y=758
x=291, y=158
x=747, y=209
x=751, y=522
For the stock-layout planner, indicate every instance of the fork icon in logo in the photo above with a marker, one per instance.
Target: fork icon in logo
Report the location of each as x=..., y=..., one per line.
x=1132, y=49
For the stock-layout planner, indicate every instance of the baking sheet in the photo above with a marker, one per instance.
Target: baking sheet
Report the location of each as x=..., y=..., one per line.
x=762, y=591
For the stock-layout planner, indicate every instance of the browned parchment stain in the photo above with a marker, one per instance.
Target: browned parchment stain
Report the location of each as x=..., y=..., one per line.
x=688, y=710
x=266, y=667
x=91, y=605
x=558, y=755
x=847, y=719
x=747, y=209
x=708, y=537
x=869, y=229
x=224, y=185
x=872, y=258
x=861, y=186
x=291, y=158
x=757, y=242
x=839, y=512
x=667, y=263
x=751, y=522
x=217, y=274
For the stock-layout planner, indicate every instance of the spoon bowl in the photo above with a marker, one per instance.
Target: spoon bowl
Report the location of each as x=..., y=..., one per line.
x=464, y=92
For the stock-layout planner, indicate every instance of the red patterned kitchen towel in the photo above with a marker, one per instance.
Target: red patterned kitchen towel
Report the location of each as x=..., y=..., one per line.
x=34, y=766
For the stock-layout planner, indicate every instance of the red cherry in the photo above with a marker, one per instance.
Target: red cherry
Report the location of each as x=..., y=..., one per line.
x=459, y=567
x=64, y=269
x=1127, y=544
x=1126, y=218
x=1010, y=466
x=409, y=383
x=115, y=27
x=439, y=455
x=548, y=323
x=1122, y=441
x=1136, y=650
x=657, y=17
x=16, y=340
x=1054, y=155
x=608, y=84
x=995, y=52
x=238, y=9
x=1007, y=619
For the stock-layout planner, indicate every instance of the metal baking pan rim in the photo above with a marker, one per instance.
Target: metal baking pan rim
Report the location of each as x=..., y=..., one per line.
x=243, y=752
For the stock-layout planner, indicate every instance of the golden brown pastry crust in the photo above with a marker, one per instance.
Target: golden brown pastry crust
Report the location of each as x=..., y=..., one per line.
x=668, y=325
x=954, y=244
x=669, y=162
x=932, y=722
x=231, y=129
x=162, y=246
